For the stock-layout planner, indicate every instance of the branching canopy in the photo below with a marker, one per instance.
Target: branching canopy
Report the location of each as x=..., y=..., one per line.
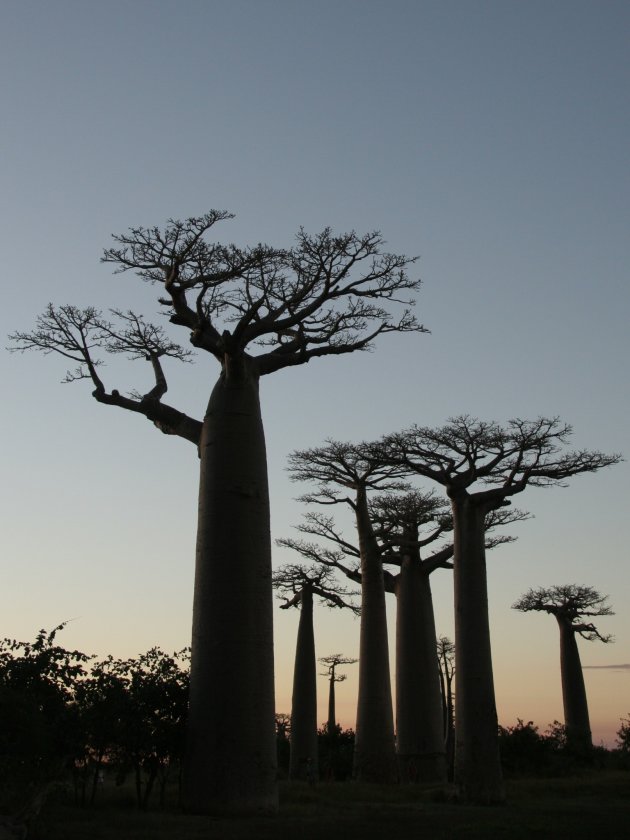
x=291, y=580
x=343, y=465
x=332, y=662
x=467, y=450
x=569, y=603
x=327, y=295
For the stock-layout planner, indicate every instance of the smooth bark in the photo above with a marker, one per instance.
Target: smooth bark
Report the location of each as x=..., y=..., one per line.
x=576, y=718
x=303, y=760
x=477, y=765
x=419, y=738
x=231, y=753
x=374, y=751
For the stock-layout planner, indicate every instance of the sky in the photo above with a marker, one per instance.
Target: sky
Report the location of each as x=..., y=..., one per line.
x=487, y=137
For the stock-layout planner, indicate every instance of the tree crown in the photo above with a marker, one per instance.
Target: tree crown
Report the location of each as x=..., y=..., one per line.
x=328, y=294
x=570, y=603
x=467, y=451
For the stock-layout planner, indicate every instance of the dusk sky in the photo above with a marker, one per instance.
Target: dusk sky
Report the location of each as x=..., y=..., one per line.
x=488, y=137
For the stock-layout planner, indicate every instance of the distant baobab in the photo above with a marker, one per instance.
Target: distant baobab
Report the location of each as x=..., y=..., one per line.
x=572, y=606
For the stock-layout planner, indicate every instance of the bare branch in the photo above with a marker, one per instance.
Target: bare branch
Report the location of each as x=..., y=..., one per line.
x=569, y=603
x=292, y=579
x=81, y=334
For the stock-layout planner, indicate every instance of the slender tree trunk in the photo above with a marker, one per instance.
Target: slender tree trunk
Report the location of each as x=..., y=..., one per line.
x=332, y=714
x=374, y=750
x=230, y=761
x=477, y=764
x=304, y=700
x=419, y=720
x=576, y=717
x=449, y=742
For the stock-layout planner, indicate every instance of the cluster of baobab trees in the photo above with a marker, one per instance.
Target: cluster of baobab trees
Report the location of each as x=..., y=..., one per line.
x=257, y=310
x=481, y=465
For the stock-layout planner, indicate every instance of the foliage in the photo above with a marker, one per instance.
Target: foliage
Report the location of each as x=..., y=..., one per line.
x=525, y=751
x=38, y=707
x=58, y=717
x=149, y=731
x=623, y=735
x=336, y=750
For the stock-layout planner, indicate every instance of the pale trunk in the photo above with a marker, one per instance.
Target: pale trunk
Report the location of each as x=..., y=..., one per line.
x=477, y=764
x=304, y=701
x=419, y=723
x=374, y=750
x=230, y=761
x=576, y=717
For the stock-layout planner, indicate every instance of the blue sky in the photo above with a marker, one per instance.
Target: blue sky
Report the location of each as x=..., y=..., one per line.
x=488, y=138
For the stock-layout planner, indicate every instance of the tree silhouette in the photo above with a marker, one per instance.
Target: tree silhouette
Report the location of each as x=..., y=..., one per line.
x=298, y=585
x=481, y=465
x=570, y=604
x=397, y=521
x=255, y=310
x=344, y=476
x=446, y=666
x=406, y=525
x=331, y=663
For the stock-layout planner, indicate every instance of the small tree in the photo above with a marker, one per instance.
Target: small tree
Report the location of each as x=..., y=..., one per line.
x=254, y=311
x=570, y=604
x=331, y=663
x=298, y=585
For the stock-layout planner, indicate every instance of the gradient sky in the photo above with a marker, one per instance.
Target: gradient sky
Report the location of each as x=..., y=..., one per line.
x=490, y=138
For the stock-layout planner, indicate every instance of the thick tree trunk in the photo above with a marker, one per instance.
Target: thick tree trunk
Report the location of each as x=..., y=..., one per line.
x=576, y=717
x=374, y=749
x=303, y=761
x=477, y=764
x=230, y=761
x=419, y=720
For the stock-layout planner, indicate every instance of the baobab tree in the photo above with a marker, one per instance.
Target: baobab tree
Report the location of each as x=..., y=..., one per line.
x=570, y=605
x=331, y=663
x=344, y=476
x=481, y=465
x=446, y=665
x=255, y=311
x=298, y=585
x=405, y=525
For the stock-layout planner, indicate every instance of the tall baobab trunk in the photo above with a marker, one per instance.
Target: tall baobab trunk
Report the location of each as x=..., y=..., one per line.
x=374, y=749
x=304, y=700
x=448, y=717
x=576, y=717
x=477, y=764
x=231, y=752
x=419, y=721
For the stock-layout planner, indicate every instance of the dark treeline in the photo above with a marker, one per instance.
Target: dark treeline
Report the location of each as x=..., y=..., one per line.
x=70, y=717
x=67, y=716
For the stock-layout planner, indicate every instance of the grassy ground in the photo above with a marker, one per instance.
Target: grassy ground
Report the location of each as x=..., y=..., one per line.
x=579, y=808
